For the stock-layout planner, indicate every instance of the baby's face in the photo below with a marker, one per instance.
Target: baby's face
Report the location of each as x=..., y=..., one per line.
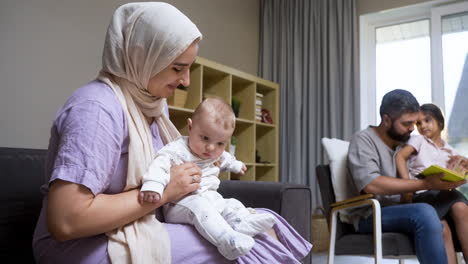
x=207, y=140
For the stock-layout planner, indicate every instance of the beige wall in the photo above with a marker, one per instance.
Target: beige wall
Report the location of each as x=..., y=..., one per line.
x=372, y=6
x=48, y=48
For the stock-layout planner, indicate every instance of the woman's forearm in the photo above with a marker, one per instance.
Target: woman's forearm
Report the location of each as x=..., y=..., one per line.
x=74, y=212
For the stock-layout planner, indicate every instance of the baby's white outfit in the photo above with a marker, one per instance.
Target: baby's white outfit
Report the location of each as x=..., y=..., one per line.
x=225, y=223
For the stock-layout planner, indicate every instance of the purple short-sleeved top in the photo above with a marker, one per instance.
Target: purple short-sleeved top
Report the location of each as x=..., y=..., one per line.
x=89, y=146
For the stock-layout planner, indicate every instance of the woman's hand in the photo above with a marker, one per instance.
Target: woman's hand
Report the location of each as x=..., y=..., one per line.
x=185, y=179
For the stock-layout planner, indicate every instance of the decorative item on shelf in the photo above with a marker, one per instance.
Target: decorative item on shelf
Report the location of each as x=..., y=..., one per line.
x=235, y=103
x=179, y=98
x=258, y=106
x=232, y=146
x=258, y=159
x=266, y=116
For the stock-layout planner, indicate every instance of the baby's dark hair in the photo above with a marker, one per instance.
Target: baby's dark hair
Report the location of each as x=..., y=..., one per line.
x=398, y=102
x=434, y=111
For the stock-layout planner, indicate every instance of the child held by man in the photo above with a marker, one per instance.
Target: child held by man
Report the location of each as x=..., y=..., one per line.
x=424, y=150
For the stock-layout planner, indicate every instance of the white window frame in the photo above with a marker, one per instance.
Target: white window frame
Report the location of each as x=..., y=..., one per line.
x=437, y=13
x=368, y=24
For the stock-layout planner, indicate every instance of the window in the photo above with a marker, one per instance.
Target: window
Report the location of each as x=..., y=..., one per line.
x=422, y=49
x=454, y=29
x=402, y=56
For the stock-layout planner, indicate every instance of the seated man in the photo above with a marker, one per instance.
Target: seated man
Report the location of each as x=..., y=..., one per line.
x=372, y=169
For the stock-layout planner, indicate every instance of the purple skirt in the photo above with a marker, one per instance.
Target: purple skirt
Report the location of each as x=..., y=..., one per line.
x=193, y=248
x=186, y=244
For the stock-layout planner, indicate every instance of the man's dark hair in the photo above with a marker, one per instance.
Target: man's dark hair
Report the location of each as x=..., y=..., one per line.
x=434, y=111
x=398, y=102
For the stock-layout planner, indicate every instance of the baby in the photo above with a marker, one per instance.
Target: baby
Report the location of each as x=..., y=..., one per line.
x=225, y=223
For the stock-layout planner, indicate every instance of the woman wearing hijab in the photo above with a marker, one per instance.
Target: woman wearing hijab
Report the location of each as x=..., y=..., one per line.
x=104, y=138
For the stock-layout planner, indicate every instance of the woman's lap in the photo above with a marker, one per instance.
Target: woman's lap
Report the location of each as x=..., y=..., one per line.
x=189, y=247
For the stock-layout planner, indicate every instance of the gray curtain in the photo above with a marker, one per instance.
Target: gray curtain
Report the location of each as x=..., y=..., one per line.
x=310, y=48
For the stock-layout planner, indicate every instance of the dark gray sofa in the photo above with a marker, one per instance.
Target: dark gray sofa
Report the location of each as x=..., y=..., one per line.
x=22, y=173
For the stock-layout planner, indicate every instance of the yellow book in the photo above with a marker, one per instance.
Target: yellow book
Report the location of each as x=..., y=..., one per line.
x=450, y=175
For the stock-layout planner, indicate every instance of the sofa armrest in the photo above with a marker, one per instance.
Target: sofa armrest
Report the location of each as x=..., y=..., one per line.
x=22, y=172
x=291, y=201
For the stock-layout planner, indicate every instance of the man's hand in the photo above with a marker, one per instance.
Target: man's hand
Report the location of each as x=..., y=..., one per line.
x=434, y=182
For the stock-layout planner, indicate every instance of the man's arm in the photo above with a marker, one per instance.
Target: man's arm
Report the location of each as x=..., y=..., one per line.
x=389, y=185
x=365, y=164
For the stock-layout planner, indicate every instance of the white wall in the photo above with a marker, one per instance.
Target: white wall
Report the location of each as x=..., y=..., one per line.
x=48, y=48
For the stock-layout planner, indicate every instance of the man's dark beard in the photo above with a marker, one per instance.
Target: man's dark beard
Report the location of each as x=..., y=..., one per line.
x=393, y=134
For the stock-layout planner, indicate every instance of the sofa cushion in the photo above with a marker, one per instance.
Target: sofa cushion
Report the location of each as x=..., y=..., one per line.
x=22, y=172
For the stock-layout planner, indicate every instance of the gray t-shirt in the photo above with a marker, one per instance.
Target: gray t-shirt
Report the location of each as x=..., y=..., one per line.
x=368, y=158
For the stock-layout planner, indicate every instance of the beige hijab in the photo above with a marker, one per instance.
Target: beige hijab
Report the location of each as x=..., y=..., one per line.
x=142, y=40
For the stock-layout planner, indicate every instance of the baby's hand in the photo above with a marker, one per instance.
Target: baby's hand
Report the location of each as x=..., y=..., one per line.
x=243, y=169
x=149, y=197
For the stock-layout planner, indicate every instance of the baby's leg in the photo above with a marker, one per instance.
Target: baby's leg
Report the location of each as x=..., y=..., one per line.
x=246, y=221
x=211, y=226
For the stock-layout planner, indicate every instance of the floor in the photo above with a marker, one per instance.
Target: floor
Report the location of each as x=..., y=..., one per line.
x=321, y=258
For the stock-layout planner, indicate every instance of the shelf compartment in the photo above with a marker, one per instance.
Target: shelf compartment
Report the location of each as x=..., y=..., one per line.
x=243, y=121
x=266, y=144
x=266, y=173
x=269, y=101
x=216, y=83
x=245, y=147
x=194, y=96
x=224, y=175
x=179, y=118
x=265, y=164
x=244, y=91
x=265, y=124
x=248, y=176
